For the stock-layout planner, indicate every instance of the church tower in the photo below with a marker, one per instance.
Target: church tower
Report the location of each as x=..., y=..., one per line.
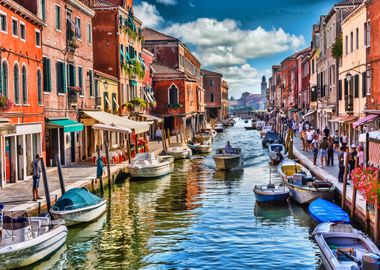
x=264, y=87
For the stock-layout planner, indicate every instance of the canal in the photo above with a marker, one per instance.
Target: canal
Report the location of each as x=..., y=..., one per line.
x=195, y=218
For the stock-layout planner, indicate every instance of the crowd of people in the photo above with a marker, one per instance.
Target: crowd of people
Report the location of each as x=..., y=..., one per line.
x=327, y=145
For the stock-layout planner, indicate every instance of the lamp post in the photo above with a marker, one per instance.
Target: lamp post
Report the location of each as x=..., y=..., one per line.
x=105, y=84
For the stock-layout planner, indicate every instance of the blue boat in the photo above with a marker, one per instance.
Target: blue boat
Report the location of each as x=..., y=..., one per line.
x=324, y=211
x=271, y=193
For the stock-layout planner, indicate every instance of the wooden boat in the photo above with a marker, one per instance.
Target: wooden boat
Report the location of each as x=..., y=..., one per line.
x=149, y=165
x=276, y=153
x=271, y=193
x=228, y=161
x=204, y=137
x=179, y=151
x=27, y=240
x=260, y=125
x=219, y=128
x=265, y=130
x=201, y=148
x=303, y=187
x=270, y=138
x=78, y=205
x=324, y=211
x=345, y=248
x=208, y=131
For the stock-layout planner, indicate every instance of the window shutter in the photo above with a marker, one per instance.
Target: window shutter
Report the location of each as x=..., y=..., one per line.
x=364, y=84
x=340, y=90
x=74, y=76
x=1, y=80
x=64, y=79
x=48, y=64
x=58, y=76
x=91, y=82
x=345, y=87
x=356, y=85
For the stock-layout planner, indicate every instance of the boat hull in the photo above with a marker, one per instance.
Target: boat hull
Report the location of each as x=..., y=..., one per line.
x=219, y=130
x=267, y=197
x=179, y=154
x=149, y=172
x=225, y=162
x=305, y=196
x=29, y=252
x=249, y=128
x=82, y=215
x=203, y=149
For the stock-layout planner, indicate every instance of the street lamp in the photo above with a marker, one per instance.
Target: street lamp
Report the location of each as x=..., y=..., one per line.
x=348, y=77
x=105, y=84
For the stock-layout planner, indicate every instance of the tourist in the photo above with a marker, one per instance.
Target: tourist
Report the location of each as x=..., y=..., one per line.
x=303, y=139
x=309, y=139
x=352, y=158
x=344, y=139
x=307, y=125
x=323, y=146
x=330, y=152
x=294, y=126
x=314, y=145
x=228, y=148
x=341, y=164
x=360, y=158
x=158, y=135
x=326, y=131
x=336, y=141
x=36, y=170
x=300, y=127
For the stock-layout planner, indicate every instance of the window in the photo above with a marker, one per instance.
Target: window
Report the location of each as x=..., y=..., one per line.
x=80, y=80
x=71, y=75
x=22, y=31
x=105, y=101
x=39, y=87
x=24, y=84
x=57, y=17
x=89, y=33
x=14, y=27
x=346, y=45
x=211, y=97
x=356, y=86
x=91, y=82
x=47, y=74
x=340, y=90
x=3, y=23
x=352, y=42
x=173, y=94
x=43, y=9
x=16, y=83
x=38, y=38
x=78, y=31
x=96, y=82
x=367, y=34
x=121, y=54
x=61, y=77
x=211, y=82
x=357, y=38
x=4, y=79
x=364, y=84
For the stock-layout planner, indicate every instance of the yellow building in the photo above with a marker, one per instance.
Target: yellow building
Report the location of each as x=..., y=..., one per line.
x=106, y=86
x=352, y=72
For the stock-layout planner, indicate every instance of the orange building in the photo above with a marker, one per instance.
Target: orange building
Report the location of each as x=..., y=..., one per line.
x=21, y=79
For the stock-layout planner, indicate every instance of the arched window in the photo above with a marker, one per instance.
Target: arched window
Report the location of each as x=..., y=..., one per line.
x=39, y=87
x=16, y=83
x=24, y=85
x=173, y=94
x=4, y=79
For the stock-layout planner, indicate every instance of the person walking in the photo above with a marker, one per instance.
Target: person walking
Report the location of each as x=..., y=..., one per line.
x=315, y=147
x=360, y=158
x=36, y=170
x=158, y=135
x=323, y=146
x=309, y=139
x=336, y=141
x=330, y=152
x=341, y=164
x=326, y=131
x=344, y=139
x=352, y=158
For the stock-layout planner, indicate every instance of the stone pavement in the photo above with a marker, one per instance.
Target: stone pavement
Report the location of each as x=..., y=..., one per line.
x=18, y=196
x=329, y=173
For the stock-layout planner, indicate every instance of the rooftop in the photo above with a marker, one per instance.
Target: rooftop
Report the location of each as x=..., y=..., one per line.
x=210, y=73
x=153, y=35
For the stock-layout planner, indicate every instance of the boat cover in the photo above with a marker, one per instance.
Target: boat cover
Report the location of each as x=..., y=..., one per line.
x=325, y=211
x=76, y=198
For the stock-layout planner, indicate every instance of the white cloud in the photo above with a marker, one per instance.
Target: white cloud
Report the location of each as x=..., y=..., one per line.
x=167, y=2
x=224, y=43
x=148, y=14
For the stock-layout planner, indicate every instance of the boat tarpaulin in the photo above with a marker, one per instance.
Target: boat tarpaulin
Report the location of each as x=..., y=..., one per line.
x=76, y=198
x=364, y=120
x=325, y=211
x=67, y=124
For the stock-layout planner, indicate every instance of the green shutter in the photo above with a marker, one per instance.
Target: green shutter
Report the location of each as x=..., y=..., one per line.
x=91, y=82
x=49, y=75
x=64, y=80
x=340, y=90
x=74, y=76
x=345, y=87
x=58, y=76
x=1, y=79
x=356, y=86
x=364, y=84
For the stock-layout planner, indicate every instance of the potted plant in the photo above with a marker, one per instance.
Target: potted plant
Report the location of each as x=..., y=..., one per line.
x=5, y=103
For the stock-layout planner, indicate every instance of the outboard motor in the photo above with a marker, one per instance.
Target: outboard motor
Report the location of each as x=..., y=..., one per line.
x=370, y=261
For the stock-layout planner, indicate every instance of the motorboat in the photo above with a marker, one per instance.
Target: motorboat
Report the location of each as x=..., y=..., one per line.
x=204, y=137
x=201, y=148
x=271, y=193
x=271, y=137
x=26, y=240
x=265, y=130
x=219, y=128
x=78, y=205
x=304, y=188
x=276, y=153
x=179, y=151
x=228, y=160
x=209, y=131
x=260, y=125
x=149, y=165
x=345, y=248
x=324, y=211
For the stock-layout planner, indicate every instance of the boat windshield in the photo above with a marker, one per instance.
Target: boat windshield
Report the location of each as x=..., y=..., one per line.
x=15, y=220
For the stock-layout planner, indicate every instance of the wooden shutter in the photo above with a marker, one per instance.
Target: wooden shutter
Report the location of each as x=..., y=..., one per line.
x=340, y=90
x=356, y=85
x=58, y=77
x=364, y=84
x=64, y=78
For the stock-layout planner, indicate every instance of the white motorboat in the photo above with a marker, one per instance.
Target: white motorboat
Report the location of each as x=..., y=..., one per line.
x=260, y=125
x=27, y=240
x=345, y=248
x=201, y=148
x=209, y=131
x=265, y=130
x=228, y=160
x=149, y=165
x=179, y=151
x=78, y=205
x=276, y=153
x=219, y=128
x=304, y=188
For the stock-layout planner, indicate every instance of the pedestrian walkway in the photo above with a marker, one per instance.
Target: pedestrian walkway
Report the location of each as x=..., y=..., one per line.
x=18, y=196
x=329, y=173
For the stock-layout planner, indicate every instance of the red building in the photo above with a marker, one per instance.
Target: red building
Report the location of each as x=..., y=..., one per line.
x=216, y=95
x=177, y=82
x=289, y=96
x=303, y=76
x=21, y=72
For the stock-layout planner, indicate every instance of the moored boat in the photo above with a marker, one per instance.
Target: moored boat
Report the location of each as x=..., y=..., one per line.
x=219, y=128
x=228, y=160
x=149, y=165
x=345, y=248
x=270, y=138
x=201, y=148
x=27, y=240
x=288, y=168
x=78, y=205
x=265, y=130
x=271, y=193
x=324, y=211
x=276, y=153
x=179, y=151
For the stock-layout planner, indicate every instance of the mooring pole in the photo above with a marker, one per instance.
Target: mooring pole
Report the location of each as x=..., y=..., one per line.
x=46, y=185
x=60, y=175
x=101, y=177
x=345, y=180
x=108, y=162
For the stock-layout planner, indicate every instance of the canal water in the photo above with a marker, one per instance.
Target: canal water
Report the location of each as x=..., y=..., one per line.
x=195, y=218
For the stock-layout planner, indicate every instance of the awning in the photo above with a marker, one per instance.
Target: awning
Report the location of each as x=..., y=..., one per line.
x=68, y=125
x=364, y=120
x=112, y=128
x=309, y=113
x=133, y=83
x=336, y=119
x=7, y=128
x=110, y=119
x=348, y=119
x=148, y=96
x=150, y=117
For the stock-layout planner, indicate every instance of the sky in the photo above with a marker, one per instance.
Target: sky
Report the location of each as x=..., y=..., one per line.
x=241, y=39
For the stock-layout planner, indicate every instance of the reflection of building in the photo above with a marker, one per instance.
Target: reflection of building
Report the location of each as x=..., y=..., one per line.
x=21, y=81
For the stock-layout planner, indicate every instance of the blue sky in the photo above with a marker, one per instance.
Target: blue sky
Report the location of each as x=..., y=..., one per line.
x=241, y=39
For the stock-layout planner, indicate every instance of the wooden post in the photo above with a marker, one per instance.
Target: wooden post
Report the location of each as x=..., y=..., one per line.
x=129, y=148
x=353, y=209
x=60, y=175
x=46, y=185
x=181, y=136
x=108, y=162
x=345, y=180
x=101, y=177
x=367, y=213
x=168, y=135
x=163, y=139
x=176, y=135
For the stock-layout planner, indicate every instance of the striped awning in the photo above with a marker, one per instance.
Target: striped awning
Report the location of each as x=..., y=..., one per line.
x=364, y=120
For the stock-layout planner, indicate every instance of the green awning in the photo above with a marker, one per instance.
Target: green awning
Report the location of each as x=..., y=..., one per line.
x=133, y=83
x=67, y=124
